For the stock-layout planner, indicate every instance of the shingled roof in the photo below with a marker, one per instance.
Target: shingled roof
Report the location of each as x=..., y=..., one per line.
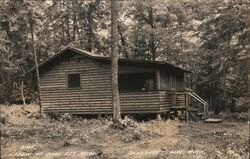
x=106, y=58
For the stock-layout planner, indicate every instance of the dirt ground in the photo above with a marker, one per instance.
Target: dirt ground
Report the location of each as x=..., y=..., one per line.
x=27, y=134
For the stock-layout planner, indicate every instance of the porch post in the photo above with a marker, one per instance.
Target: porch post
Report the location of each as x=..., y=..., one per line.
x=158, y=87
x=186, y=107
x=158, y=80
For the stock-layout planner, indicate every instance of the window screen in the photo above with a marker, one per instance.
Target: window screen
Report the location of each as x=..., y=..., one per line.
x=173, y=82
x=136, y=81
x=74, y=80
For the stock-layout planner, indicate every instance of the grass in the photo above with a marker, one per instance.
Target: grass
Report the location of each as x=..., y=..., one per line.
x=26, y=134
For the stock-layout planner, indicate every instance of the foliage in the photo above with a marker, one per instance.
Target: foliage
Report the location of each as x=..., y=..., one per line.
x=224, y=53
x=211, y=38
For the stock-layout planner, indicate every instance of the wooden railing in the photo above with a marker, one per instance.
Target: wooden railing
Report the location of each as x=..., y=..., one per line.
x=180, y=100
x=202, y=101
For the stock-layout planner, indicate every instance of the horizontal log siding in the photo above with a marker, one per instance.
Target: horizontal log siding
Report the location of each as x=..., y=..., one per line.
x=180, y=100
x=94, y=96
x=145, y=102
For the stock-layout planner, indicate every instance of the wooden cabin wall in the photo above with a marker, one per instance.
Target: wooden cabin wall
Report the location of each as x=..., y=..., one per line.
x=145, y=102
x=93, y=97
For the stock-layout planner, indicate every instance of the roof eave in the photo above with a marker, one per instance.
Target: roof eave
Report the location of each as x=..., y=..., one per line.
x=99, y=57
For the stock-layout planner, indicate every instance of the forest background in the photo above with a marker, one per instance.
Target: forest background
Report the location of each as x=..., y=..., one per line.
x=210, y=38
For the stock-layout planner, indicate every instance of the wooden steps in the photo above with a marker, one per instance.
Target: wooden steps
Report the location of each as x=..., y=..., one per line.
x=193, y=113
x=192, y=110
x=180, y=102
x=213, y=120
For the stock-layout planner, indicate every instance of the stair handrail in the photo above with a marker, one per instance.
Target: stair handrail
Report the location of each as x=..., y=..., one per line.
x=205, y=104
x=194, y=96
x=199, y=97
x=193, y=92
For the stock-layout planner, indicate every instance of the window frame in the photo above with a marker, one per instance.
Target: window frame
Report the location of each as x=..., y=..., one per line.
x=67, y=76
x=145, y=79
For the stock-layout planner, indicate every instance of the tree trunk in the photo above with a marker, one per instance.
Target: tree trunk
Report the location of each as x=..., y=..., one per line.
x=7, y=83
x=123, y=42
x=62, y=33
x=152, y=35
x=114, y=63
x=36, y=62
x=2, y=76
x=79, y=35
x=68, y=29
x=152, y=46
x=90, y=32
x=74, y=25
x=22, y=93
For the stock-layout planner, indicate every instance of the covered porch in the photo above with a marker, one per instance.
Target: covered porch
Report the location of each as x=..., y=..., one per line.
x=149, y=90
x=155, y=91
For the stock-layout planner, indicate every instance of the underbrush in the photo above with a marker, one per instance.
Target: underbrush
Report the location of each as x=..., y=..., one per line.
x=22, y=125
x=24, y=122
x=230, y=117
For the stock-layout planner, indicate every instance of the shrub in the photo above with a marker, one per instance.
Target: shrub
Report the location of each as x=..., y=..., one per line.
x=60, y=117
x=242, y=105
x=54, y=116
x=3, y=119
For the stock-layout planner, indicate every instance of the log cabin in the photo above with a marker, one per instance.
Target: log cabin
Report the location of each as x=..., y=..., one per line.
x=79, y=82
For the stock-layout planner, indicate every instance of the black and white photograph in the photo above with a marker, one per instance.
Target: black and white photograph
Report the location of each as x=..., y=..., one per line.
x=124, y=79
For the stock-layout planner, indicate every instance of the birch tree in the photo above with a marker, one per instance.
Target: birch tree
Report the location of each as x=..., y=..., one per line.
x=35, y=59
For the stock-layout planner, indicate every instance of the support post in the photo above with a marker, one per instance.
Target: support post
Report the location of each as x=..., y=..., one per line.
x=186, y=107
x=158, y=116
x=158, y=87
x=173, y=99
x=158, y=81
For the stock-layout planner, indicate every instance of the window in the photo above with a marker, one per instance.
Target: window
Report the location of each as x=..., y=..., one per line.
x=136, y=81
x=74, y=80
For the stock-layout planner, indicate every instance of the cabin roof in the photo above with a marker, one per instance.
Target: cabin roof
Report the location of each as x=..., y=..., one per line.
x=106, y=58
